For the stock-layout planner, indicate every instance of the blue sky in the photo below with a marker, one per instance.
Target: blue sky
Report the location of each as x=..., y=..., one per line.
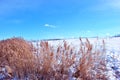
x=45, y=19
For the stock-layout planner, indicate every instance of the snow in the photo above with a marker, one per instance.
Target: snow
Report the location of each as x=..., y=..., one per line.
x=112, y=46
x=113, y=58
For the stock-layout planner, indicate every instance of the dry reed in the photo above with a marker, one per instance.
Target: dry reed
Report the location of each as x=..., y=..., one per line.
x=91, y=62
x=17, y=53
x=43, y=62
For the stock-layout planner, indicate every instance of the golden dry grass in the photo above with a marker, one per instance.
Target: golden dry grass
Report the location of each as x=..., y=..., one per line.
x=43, y=62
x=17, y=53
x=91, y=62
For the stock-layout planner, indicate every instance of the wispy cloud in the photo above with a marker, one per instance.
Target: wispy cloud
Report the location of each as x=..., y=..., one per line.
x=8, y=6
x=113, y=4
x=49, y=26
x=88, y=31
x=108, y=34
x=16, y=21
x=107, y=4
x=12, y=21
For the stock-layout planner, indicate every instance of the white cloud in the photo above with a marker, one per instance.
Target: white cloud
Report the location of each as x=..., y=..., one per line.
x=49, y=25
x=108, y=34
x=88, y=31
x=16, y=21
x=12, y=21
x=111, y=4
x=9, y=6
x=107, y=4
x=114, y=3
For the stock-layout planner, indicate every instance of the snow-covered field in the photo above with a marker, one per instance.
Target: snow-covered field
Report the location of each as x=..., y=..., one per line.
x=112, y=46
x=113, y=58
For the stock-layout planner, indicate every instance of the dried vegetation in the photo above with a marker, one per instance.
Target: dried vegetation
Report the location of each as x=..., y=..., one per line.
x=44, y=62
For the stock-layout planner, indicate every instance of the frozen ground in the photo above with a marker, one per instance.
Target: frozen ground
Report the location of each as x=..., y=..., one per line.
x=112, y=53
x=112, y=46
x=113, y=58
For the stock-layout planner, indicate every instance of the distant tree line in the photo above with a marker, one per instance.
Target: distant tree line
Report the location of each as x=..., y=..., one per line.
x=118, y=35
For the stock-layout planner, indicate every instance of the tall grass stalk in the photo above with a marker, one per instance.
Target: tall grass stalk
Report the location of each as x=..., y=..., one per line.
x=43, y=62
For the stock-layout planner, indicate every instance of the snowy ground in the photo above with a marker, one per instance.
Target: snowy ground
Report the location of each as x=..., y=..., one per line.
x=113, y=58
x=112, y=53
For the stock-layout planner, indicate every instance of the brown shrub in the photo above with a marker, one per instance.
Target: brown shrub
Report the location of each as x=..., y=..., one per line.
x=17, y=53
x=43, y=62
